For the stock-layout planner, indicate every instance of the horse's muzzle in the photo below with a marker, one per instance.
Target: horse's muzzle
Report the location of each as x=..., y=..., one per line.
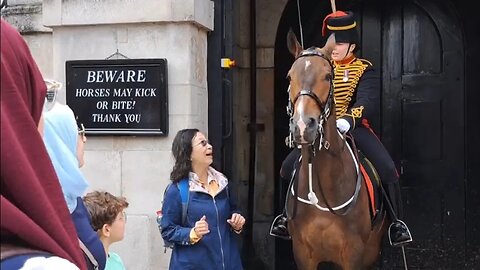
x=304, y=129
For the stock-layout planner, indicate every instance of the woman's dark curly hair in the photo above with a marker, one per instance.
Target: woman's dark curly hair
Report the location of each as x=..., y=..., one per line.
x=182, y=151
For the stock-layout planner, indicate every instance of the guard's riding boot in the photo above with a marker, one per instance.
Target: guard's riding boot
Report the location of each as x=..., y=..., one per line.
x=279, y=227
x=398, y=232
x=287, y=172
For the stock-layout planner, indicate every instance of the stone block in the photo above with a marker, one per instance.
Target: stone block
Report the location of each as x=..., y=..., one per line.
x=84, y=12
x=102, y=169
x=25, y=17
x=141, y=143
x=134, y=249
x=145, y=174
x=268, y=14
x=265, y=58
x=40, y=45
x=160, y=258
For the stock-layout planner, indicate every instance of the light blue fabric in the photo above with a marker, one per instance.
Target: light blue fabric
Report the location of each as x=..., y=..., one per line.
x=114, y=262
x=60, y=137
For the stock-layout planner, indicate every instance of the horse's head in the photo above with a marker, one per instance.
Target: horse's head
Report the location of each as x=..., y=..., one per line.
x=310, y=91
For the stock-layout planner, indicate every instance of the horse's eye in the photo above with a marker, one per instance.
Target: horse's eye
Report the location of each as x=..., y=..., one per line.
x=328, y=77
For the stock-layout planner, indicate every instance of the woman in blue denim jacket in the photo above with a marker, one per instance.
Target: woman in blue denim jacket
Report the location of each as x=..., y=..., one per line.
x=208, y=239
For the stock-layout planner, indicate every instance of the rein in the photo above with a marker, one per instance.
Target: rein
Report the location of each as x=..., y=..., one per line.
x=323, y=143
x=313, y=199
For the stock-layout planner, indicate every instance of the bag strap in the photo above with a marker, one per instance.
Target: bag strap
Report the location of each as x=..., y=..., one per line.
x=166, y=188
x=183, y=186
x=89, y=254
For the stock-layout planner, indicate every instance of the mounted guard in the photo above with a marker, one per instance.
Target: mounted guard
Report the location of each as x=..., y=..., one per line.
x=356, y=90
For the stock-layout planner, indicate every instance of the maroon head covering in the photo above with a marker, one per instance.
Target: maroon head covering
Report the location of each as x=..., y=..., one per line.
x=33, y=210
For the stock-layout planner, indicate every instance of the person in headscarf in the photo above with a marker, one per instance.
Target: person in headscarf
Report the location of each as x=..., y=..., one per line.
x=65, y=148
x=37, y=231
x=65, y=140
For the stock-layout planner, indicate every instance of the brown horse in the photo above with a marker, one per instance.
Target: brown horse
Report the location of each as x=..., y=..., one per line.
x=328, y=206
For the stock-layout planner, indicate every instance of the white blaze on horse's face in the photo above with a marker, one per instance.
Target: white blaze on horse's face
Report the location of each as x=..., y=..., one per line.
x=307, y=64
x=300, y=123
x=309, y=88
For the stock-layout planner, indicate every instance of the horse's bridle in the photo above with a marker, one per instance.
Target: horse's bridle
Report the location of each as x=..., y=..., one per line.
x=325, y=110
x=324, y=114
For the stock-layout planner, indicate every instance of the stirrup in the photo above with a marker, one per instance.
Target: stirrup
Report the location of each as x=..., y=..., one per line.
x=399, y=244
x=284, y=237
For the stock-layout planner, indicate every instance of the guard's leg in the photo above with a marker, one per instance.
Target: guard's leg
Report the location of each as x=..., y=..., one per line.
x=398, y=232
x=279, y=224
x=374, y=150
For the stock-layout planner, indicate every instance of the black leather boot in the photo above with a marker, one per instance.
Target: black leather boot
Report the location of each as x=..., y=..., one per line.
x=398, y=232
x=279, y=227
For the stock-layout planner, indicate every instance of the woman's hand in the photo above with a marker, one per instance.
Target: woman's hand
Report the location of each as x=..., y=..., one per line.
x=201, y=227
x=236, y=221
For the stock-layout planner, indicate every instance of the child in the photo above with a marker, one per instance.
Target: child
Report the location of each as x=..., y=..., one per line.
x=108, y=220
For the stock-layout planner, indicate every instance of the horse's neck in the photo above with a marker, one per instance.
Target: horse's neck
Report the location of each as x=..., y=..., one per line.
x=332, y=168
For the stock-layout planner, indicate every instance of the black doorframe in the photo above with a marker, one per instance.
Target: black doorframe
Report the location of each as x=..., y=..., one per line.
x=220, y=106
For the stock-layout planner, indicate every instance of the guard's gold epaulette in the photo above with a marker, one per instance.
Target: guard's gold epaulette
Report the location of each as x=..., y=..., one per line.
x=365, y=61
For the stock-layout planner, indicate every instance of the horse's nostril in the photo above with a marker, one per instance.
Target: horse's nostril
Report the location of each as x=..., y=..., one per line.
x=311, y=122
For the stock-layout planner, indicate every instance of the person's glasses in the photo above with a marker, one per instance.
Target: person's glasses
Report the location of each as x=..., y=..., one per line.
x=202, y=143
x=81, y=130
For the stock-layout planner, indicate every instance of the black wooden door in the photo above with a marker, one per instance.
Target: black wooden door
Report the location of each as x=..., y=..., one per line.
x=423, y=128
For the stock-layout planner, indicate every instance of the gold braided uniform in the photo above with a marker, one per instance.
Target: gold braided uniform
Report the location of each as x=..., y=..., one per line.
x=345, y=84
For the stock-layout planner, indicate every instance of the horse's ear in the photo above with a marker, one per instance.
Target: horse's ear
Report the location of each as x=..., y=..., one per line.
x=329, y=46
x=292, y=43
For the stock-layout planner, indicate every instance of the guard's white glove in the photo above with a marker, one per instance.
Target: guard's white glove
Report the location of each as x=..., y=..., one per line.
x=342, y=125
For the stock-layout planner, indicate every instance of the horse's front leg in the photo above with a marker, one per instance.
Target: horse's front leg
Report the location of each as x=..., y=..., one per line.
x=303, y=255
x=352, y=258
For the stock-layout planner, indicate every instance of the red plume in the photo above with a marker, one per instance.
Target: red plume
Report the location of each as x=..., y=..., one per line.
x=331, y=15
